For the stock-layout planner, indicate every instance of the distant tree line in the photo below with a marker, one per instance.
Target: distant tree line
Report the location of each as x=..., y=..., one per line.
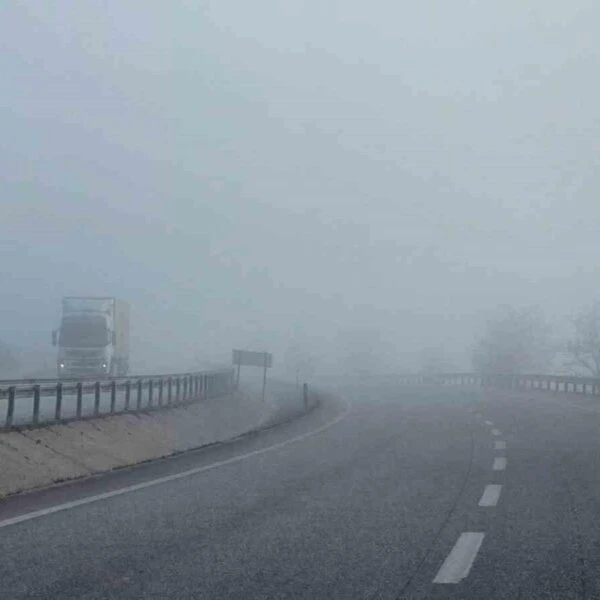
x=520, y=341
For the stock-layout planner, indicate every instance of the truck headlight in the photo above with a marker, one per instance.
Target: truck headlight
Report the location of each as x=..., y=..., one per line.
x=62, y=365
x=104, y=365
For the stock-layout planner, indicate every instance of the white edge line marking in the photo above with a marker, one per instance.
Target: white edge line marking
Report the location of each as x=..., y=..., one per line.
x=460, y=560
x=499, y=445
x=147, y=484
x=496, y=432
x=499, y=465
x=491, y=495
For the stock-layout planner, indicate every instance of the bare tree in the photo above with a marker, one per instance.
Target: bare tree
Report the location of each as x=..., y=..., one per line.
x=584, y=348
x=300, y=361
x=9, y=365
x=362, y=351
x=433, y=360
x=514, y=341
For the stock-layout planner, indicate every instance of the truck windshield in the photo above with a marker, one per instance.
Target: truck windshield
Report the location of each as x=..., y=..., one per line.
x=83, y=333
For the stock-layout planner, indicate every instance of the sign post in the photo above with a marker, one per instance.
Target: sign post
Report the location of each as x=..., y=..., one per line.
x=265, y=377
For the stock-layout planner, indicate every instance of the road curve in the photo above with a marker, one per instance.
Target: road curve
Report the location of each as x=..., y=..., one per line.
x=390, y=492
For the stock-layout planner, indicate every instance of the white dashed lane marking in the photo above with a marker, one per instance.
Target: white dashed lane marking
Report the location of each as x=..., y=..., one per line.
x=491, y=495
x=499, y=464
x=496, y=432
x=499, y=445
x=460, y=560
x=488, y=423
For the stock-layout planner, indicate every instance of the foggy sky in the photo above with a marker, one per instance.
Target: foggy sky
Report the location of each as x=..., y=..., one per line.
x=246, y=173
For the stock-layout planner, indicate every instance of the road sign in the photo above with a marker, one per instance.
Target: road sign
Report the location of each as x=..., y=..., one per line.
x=252, y=359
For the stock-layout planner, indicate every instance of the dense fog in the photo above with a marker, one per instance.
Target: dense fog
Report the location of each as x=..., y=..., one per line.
x=354, y=183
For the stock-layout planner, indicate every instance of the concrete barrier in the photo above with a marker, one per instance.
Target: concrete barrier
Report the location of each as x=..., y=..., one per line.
x=32, y=458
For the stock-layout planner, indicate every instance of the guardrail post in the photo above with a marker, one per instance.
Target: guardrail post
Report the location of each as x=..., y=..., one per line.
x=170, y=391
x=177, y=389
x=150, y=392
x=139, y=394
x=79, y=389
x=36, y=404
x=10, y=409
x=305, y=395
x=113, y=396
x=58, y=407
x=185, y=387
x=127, y=394
x=96, y=398
x=161, y=382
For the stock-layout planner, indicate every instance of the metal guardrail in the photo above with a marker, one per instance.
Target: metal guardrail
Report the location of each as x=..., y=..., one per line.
x=551, y=383
x=43, y=401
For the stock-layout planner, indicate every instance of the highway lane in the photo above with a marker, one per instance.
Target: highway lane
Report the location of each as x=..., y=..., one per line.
x=398, y=498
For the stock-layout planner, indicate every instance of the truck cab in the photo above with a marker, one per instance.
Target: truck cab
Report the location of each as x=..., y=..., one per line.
x=92, y=338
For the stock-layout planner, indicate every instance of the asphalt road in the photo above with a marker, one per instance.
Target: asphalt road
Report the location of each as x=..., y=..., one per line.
x=376, y=495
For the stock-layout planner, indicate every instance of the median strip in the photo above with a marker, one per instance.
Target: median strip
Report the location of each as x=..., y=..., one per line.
x=169, y=478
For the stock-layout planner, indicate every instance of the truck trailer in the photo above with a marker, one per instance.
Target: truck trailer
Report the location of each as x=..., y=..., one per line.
x=93, y=337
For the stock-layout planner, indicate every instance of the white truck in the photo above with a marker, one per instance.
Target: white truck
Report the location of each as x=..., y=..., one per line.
x=93, y=337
